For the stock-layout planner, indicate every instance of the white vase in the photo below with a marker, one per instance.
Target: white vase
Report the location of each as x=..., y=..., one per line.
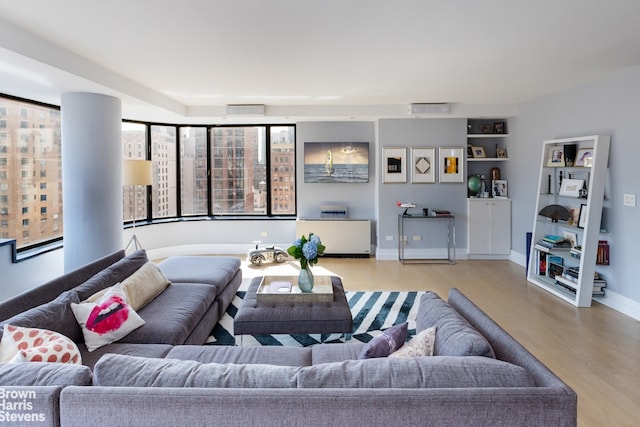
x=305, y=280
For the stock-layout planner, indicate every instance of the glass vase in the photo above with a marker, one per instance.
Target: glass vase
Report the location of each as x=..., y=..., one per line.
x=305, y=280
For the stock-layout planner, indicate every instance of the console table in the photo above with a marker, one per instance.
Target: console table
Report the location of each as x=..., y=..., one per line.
x=448, y=221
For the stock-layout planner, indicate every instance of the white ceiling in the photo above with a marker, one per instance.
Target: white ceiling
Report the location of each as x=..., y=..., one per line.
x=184, y=61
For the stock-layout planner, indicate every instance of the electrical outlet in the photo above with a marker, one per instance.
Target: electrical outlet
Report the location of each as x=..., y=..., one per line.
x=389, y=238
x=417, y=238
x=264, y=234
x=630, y=200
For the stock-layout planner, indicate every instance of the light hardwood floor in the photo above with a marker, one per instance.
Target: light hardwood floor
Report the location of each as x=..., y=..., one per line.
x=595, y=350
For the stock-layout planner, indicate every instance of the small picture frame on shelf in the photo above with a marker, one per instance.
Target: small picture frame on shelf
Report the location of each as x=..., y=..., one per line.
x=556, y=157
x=584, y=157
x=498, y=127
x=583, y=217
x=500, y=189
x=486, y=128
x=501, y=153
x=571, y=187
x=469, y=151
x=478, y=152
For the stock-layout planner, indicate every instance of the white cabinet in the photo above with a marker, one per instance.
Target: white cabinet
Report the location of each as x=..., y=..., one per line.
x=489, y=228
x=341, y=237
x=568, y=213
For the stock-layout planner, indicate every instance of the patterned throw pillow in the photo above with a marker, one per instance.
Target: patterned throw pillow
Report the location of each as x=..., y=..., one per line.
x=420, y=345
x=386, y=343
x=37, y=345
x=106, y=320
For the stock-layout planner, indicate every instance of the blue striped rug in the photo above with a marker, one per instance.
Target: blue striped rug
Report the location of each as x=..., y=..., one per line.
x=372, y=313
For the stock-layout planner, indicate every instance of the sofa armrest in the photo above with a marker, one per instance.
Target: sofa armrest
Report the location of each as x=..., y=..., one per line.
x=29, y=406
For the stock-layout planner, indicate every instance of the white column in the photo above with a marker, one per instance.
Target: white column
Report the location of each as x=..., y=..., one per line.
x=91, y=177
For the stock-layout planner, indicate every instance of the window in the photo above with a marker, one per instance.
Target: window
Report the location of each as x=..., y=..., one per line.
x=163, y=155
x=25, y=124
x=134, y=143
x=194, y=196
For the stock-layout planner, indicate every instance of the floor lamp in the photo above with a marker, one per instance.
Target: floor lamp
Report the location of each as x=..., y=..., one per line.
x=136, y=172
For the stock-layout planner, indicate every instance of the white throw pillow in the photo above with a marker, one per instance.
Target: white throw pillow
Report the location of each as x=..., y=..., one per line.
x=106, y=320
x=420, y=345
x=20, y=344
x=141, y=287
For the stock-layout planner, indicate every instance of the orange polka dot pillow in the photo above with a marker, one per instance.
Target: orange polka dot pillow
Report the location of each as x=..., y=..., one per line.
x=20, y=344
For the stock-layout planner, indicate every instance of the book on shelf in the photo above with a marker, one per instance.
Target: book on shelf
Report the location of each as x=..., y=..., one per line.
x=546, y=246
x=553, y=239
x=555, y=270
x=602, y=256
x=441, y=213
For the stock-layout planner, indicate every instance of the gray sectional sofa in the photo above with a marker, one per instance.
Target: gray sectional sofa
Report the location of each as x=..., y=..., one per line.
x=478, y=375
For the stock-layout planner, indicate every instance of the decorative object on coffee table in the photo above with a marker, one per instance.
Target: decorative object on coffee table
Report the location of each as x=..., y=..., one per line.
x=307, y=251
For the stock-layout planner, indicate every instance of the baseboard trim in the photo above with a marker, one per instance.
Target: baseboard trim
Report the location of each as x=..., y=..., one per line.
x=620, y=303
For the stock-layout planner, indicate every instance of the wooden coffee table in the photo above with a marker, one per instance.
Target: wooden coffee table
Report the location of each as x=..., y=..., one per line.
x=297, y=314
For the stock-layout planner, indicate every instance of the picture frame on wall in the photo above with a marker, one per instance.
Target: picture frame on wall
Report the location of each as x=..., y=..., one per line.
x=451, y=164
x=423, y=165
x=394, y=165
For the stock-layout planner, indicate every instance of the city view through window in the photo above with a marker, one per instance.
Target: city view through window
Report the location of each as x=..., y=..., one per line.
x=197, y=171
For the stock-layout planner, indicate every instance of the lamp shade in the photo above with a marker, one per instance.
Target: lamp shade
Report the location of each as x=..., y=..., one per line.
x=137, y=172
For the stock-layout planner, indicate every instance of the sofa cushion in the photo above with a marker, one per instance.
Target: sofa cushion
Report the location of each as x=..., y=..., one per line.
x=141, y=287
x=55, y=315
x=272, y=355
x=326, y=353
x=216, y=271
x=20, y=344
x=454, y=335
x=142, y=350
x=131, y=371
x=173, y=315
x=44, y=374
x=419, y=346
x=415, y=372
x=116, y=272
x=387, y=342
x=107, y=320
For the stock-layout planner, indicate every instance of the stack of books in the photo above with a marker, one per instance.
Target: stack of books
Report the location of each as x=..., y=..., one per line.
x=551, y=242
x=598, y=285
x=603, y=253
x=571, y=274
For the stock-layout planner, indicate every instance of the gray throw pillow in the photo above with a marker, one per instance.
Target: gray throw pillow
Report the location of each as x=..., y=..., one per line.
x=454, y=335
x=55, y=315
x=44, y=374
x=386, y=343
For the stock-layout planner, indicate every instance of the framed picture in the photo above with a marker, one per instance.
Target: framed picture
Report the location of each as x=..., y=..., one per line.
x=336, y=162
x=423, y=165
x=584, y=157
x=394, y=165
x=571, y=187
x=556, y=157
x=582, y=219
x=500, y=189
x=498, y=127
x=451, y=164
x=501, y=153
x=478, y=152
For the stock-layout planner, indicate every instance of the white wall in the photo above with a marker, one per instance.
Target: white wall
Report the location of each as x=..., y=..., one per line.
x=608, y=106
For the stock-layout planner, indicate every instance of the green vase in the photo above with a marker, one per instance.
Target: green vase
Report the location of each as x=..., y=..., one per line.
x=305, y=280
